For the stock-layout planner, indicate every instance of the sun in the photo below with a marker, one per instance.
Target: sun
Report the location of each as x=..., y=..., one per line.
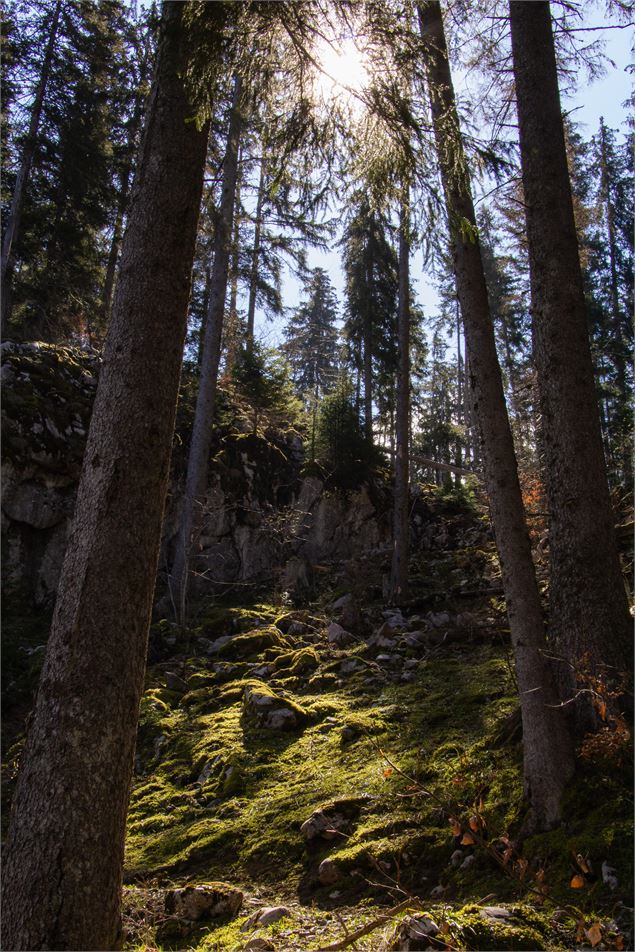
x=342, y=76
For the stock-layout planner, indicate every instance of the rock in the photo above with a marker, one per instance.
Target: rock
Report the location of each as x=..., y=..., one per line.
x=342, y=602
x=338, y=636
x=415, y=933
x=267, y=709
x=265, y=917
x=325, y=826
x=349, y=733
x=351, y=617
x=437, y=892
x=207, y=901
x=495, y=912
x=283, y=719
x=378, y=641
x=259, y=944
x=394, y=618
x=350, y=665
x=438, y=619
x=609, y=876
x=467, y=862
x=175, y=682
x=328, y=873
x=457, y=858
x=386, y=631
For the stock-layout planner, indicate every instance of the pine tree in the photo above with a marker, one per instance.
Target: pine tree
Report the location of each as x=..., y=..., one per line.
x=63, y=858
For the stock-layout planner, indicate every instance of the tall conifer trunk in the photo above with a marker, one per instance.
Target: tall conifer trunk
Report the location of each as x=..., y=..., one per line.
x=399, y=568
x=547, y=752
x=64, y=854
x=198, y=459
x=255, y=254
x=588, y=606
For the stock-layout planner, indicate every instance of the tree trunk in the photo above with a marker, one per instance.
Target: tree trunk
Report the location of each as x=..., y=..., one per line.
x=198, y=459
x=122, y=208
x=368, y=353
x=231, y=336
x=623, y=411
x=547, y=752
x=63, y=859
x=588, y=605
x=15, y=212
x=255, y=257
x=399, y=569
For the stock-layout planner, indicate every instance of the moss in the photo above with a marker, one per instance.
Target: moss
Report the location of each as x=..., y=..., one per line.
x=252, y=643
x=524, y=929
x=295, y=663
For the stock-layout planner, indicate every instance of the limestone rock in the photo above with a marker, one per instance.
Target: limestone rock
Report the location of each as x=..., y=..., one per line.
x=205, y=901
x=269, y=710
x=416, y=932
x=328, y=872
x=338, y=636
x=265, y=917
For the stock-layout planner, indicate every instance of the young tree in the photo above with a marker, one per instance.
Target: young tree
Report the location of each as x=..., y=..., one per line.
x=15, y=214
x=588, y=607
x=547, y=753
x=401, y=505
x=63, y=859
x=198, y=458
x=371, y=270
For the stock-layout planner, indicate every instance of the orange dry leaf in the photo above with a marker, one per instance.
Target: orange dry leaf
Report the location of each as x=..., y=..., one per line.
x=507, y=855
x=579, y=930
x=583, y=863
x=594, y=934
x=578, y=882
x=474, y=824
x=467, y=839
x=456, y=826
x=521, y=866
x=619, y=943
x=602, y=710
x=540, y=876
x=388, y=772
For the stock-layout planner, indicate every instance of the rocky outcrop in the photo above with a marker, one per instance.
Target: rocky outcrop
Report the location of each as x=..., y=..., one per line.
x=263, y=521
x=47, y=395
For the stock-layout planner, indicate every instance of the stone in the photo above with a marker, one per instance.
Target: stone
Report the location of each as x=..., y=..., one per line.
x=609, y=876
x=174, y=682
x=457, y=858
x=342, y=602
x=338, y=636
x=467, y=862
x=438, y=619
x=386, y=631
x=205, y=901
x=284, y=719
x=328, y=873
x=265, y=917
x=416, y=932
x=349, y=666
x=495, y=912
x=258, y=943
x=437, y=892
x=325, y=826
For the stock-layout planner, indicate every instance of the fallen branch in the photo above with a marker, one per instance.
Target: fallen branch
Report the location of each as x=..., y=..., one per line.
x=371, y=926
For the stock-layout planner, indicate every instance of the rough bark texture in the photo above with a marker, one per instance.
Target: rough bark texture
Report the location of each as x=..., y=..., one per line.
x=198, y=459
x=399, y=568
x=548, y=759
x=588, y=605
x=64, y=854
x=15, y=212
x=368, y=351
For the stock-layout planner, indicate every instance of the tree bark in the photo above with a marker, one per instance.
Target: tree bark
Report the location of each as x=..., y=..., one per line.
x=399, y=568
x=255, y=256
x=588, y=605
x=17, y=201
x=198, y=459
x=547, y=751
x=63, y=860
x=368, y=351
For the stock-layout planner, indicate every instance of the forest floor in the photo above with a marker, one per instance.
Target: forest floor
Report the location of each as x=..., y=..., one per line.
x=349, y=775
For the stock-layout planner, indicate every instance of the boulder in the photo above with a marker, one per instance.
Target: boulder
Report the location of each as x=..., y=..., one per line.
x=205, y=901
x=328, y=872
x=269, y=710
x=338, y=636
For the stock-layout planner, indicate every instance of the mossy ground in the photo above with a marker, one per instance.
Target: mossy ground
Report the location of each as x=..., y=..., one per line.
x=222, y=799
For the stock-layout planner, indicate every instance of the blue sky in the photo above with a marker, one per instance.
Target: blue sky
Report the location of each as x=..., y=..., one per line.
x=604, y=97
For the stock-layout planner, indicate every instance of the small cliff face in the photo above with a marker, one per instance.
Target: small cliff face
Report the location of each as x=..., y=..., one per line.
x=263, y=521
x=47, y=396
